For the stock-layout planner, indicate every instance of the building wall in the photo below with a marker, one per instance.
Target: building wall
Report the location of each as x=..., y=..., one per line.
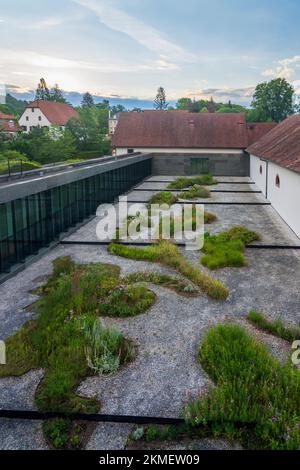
x=285, y=198
x=33, y=119
x=221, y=162
x=258, y=172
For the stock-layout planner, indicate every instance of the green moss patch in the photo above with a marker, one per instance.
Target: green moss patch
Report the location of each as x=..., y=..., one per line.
x=276, y=327
x=251, y=387
x=169, y=255
x=227, y=248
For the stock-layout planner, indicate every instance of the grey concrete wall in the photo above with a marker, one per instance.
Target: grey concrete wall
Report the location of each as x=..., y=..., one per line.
x=220, y=164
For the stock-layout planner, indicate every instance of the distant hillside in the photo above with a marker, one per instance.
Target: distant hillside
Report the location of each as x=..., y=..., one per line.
x=13, y=105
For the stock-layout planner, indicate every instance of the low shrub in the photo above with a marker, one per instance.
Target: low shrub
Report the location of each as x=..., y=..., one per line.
x=276, y=327
x=227, y=248
x=169, y=255
x=107, y=348
x=183, y=182
x=16, y=166
x=251, y=387
x=163, y=197
x=127, y=301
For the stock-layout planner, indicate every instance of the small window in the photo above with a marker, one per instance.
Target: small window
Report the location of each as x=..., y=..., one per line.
x=130, y=150
x=27, y=118
x=32, y=110
x=40, y=118
x=277, y=182
x=260, y=169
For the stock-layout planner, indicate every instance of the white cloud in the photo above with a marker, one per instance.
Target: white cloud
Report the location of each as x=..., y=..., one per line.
x=142, y=33
x=20, y=59
x=286, y=68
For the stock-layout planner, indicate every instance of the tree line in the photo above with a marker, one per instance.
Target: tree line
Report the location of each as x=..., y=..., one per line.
x=272, y=101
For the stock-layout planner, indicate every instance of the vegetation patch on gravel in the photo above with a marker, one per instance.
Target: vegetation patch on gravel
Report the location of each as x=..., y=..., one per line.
x=169, y=255
x=227, y=248
x=275, y=327
x=180, y=286
x=183, y=182
x=251, y=387
x=196, y=192
x=68, y=340
x=164, y=197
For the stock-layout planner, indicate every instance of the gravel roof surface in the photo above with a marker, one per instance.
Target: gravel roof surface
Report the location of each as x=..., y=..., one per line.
x=165, y=373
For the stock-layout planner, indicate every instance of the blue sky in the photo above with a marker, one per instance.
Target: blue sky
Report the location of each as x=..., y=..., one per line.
x=127, y=48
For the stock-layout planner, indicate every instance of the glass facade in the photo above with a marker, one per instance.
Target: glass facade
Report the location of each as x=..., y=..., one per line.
x=33, y=222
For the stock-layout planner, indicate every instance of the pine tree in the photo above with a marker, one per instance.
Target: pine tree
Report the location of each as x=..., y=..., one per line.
x=56, y=95
x=160, y=101
x=87, y=101
x=42, y=91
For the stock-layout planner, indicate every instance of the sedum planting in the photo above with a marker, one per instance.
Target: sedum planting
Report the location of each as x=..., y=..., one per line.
x=169, y=255
x=251, y=388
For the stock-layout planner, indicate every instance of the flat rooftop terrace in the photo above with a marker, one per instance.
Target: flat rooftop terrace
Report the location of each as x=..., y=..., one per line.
x=165, y=373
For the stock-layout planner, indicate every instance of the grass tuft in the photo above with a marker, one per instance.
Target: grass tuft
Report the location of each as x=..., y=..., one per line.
x=168, y=254
x=183, y=182
x=196, y=192
x=251, y=387
x=227, y=248
x=164, y=197
x=276, y=328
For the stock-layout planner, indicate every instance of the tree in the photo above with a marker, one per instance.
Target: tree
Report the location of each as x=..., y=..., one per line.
x=274, y=100
x=87, y=100
x=40, y=146
x=231, y=108
x=160, y=101
x=211, y=106
x=119, y=108
x=56, y=95
x=42, y=91
x=184, y=104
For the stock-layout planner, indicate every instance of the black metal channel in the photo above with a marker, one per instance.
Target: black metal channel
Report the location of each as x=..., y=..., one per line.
x=186, y=190
x=100, y=418
x=219, y=182
x=180, y=244
x=212, y=203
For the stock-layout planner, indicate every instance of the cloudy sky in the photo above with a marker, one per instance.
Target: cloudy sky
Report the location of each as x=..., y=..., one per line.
x=128, y=48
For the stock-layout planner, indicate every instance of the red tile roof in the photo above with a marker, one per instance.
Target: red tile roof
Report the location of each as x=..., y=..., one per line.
x=57, y=113
x=7, y=117
x=281, y=145
x=256, y=130
x=10, y=127
x=169, y=129
x=8, y=123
